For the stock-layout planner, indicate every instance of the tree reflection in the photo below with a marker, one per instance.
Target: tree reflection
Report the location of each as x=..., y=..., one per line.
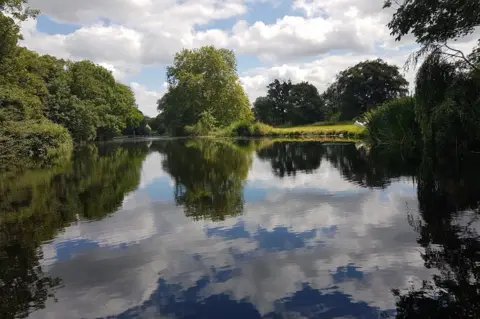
x=449, y=207
x=356, y=163
x=209, y=176
x=37, y=205
x=286, y=158
x=368, y=168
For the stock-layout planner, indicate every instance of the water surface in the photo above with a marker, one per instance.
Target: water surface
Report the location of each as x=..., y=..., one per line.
x=222, y=229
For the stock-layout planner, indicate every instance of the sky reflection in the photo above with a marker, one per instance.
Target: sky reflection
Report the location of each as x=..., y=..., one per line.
x=305, y=246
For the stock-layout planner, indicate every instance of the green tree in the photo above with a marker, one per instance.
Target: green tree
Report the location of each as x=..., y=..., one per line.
x=9, y=36
x=288, y=103
x=264, y=110
x=202, y=80
x=448, y=107
x=364, y=86
x=279, y=93
x=434, y=23
x=306, y=104
x=96, y=87
x=447, y=83
x=209, y=176
x=158, y=124
x=18, y=9
x=204, y=125
x=134, y=121
x=288, y=158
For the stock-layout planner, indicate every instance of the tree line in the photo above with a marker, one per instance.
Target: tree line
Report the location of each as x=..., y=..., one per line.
x=355, y=91
x=48, y=104
x=443, y=115
x=204, y=93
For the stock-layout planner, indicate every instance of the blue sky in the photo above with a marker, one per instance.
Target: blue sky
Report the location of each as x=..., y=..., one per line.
x=303, y=40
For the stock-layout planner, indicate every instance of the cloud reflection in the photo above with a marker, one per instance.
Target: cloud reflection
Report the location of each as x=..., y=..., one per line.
x=333, y=249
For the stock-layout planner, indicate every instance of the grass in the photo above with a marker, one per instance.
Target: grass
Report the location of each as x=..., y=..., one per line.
x=343, y=130
x=347, y=130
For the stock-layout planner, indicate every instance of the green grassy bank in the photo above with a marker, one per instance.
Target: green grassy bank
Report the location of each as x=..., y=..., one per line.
x=343, y=130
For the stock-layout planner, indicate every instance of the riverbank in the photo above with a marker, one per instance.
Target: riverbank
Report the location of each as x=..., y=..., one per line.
x=314, y=130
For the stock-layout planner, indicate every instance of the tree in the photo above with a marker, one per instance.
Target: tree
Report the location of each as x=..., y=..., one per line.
x=264, y=110
x=134, y=121
x=306, y=104
x=288, y=158
x=288, y=103
x=434, y=23
x=158, y=123
x=279, y=92
x=363, y=87
x=209, y=176
x=9, y=36
x=110, y=101
x=435, y=20
x=18, y=9
x=202, y=80
x=9, y=29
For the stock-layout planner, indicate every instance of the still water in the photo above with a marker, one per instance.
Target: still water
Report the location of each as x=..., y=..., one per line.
x=236, y=229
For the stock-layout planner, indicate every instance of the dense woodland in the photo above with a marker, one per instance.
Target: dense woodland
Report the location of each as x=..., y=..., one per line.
x=47, y=105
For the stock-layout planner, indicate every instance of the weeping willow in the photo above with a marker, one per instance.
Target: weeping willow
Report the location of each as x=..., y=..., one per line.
x=447, y=107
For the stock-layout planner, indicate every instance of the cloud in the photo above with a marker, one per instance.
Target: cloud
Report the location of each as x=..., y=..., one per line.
x=294, y=37
x=320, y=72
x=312, y=42
x=147, y=99
x=145, y=241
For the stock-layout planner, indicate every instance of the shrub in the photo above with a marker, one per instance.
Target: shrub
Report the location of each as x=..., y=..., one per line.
x=243, y=129
x=247, y=129
x=33, y=144
x=204, y=126
x=393, y=124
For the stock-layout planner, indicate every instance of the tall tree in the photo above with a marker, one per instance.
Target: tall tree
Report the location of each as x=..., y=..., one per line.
x=365, y=86
x=264, y=110
x=288, y=103
x=110, y=101
x=306, y=104
x=279, y=93
x=16, y=10
x=203, y=80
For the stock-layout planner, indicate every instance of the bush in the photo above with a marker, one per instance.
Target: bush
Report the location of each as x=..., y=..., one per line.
x=394, y=124
x=243, y=129
x=203, y=127
x=247, y=129
x=33, y=144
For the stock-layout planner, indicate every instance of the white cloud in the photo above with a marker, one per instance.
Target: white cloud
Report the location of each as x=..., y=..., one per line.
x=105, y=43
x=320, y=72
x=147, y=99
x=313, y=41
x=372, y=233
x=294, y=37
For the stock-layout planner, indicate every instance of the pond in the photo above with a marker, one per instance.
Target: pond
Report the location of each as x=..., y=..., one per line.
x=199, y=228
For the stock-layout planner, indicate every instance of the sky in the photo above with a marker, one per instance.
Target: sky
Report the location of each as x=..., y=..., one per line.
x=316, y=228
x=301, y=40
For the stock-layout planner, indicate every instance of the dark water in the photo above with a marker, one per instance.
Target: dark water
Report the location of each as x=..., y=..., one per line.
x=245, y=229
